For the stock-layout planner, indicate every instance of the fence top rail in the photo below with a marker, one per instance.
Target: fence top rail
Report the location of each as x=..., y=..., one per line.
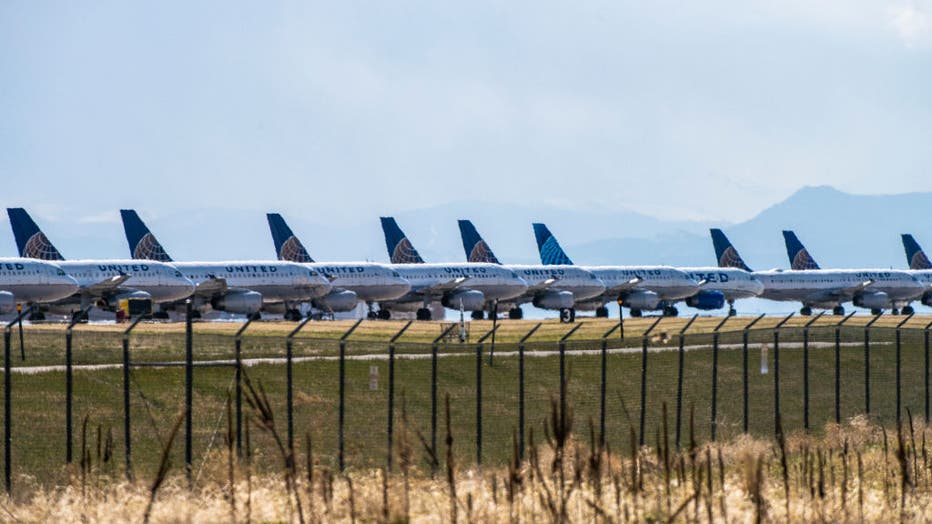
x=720, y=324
x=688, y=324
x=905, y=320
x=875, y=319
x=400, y=331
x=612, y=330
x=784, y=321
x=755, y=321
x=842, y=321
x=813, y=320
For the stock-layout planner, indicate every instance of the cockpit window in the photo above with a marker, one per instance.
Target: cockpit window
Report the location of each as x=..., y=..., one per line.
x=60, y=272
x=312, y=273
x=514, y=275
x=178, y=274
x=396, y=274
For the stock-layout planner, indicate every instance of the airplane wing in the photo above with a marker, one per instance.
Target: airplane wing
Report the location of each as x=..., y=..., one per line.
x=211, y=287
x=444, y=286
x=542, y=285
x=105, y=286
x=625, y=286
x=844, y=293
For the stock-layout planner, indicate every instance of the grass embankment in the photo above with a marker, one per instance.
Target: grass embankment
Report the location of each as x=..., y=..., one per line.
x=856, y=473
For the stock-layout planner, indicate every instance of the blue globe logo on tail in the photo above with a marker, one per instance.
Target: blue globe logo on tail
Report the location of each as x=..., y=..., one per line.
x=404, y=253
x=148, y=248
x=552, y=254
x=482, y=253
x=38, y=246
x=293, y=251
x=731, y=258
x=920, y=261
x=803, y=260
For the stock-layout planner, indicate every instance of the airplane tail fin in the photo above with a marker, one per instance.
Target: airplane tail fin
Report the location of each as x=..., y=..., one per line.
x=400, y=250
x=915, y=256
x=31, y=242
x=799, y=256
x=551, y=253
x=476, y=248
x=287, y=245
x=725, y=253
x=142, y=243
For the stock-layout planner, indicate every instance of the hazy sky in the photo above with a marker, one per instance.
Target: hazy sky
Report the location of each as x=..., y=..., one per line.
x=707, y=110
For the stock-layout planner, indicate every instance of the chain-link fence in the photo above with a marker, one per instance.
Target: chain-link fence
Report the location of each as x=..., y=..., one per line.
x=361, y=398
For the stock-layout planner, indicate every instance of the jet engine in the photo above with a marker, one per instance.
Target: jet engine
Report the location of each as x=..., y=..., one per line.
x=875, y=300
x=241, y=302
x=707, y=300
x=554, y=299
x=337, y=301
x=7, y=302
x=472, y=299
x=642, y=299
x=927, y=299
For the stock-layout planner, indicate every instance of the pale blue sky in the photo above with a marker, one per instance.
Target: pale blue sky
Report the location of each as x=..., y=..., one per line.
x=687, y=110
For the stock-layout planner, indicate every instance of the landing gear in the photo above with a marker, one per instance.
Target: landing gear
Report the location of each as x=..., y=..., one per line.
x=601, y=312
x=670, y=311
x=805, y=311
x=567, y=315
x=478, y=315
x=160, y=315
x=876, y=311
x=293, y=315
x=731, y=308
x=36, y=315
x=636, y=313
x=423, y=314
x=838, y=311
x=516, y=313
x=372, y=315
x=894, y=311
x=384, y=314
x=908, y=310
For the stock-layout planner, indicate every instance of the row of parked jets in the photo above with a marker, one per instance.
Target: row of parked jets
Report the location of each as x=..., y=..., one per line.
x=43, y=279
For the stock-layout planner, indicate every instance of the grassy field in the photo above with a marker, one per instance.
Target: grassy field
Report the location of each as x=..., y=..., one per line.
x=157, y=393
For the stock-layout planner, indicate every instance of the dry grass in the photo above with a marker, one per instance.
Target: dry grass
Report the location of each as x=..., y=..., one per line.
x=857, y=472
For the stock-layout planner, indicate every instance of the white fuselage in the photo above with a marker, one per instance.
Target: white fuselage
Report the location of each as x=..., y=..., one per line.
x=371, y=282
x=670, y=284
x=583, y=284
x=734, y=283
x=35, y=281
x=276, y=281
x=821, y=287
x=495, y=282
x=162, y=282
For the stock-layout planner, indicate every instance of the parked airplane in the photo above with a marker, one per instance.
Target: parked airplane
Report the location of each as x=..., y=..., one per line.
x=351, y=281
x=241, y=286
x=638, y=288
x=830, y=288
x=549, y=287
x=472, y=287
x=102, y=283
x=920, y=267
x=25, y=282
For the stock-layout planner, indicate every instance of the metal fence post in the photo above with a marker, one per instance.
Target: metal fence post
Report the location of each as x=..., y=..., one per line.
x=562, y=347
x=679, y=379
x=644, y=340
x=188, y=391
x=238, y=393
x=289, y=384
x=838, y=367
x=521, y=389
x=341, y=411
x=714, y=420
x=744, y=368
x=925, y=374
x=898, y=366
x=867, y=364
x=433, y=394
x=479, y=392
x=806, y=369
x=776, y=372
x=69, y=384
x=391, y=390
x=7, y=405
x=127, y=433
x=603, y=386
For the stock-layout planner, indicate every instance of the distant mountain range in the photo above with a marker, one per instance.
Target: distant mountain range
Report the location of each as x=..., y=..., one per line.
x=840, y=230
